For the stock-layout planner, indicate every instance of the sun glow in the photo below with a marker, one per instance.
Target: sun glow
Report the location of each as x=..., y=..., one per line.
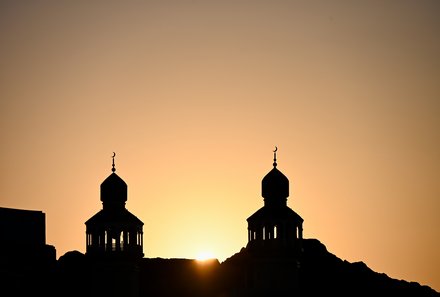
x=205, y=255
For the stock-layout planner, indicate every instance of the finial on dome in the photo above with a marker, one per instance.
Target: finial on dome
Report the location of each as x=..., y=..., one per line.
x=113, y=162
x=275, y=157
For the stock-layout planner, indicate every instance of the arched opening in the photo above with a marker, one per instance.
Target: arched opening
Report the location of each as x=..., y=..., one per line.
x=113, y=244
x=121, y=241
x=106, y=240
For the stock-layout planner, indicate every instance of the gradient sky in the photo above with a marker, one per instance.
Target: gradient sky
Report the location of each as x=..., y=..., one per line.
x=194, y=95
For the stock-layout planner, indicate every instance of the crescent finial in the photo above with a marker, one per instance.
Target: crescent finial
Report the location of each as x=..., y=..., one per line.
x=275, y=157
x=113, y=162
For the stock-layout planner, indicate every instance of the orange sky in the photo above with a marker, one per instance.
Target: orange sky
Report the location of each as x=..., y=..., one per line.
x=194, y=95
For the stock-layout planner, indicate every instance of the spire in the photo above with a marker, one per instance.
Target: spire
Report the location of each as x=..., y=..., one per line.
x=113, y=162
x=275, y=185
x=113, y=189
x=275, y=157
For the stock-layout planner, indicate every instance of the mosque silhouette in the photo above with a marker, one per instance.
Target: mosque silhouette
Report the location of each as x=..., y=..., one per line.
x=276, y=261
x=114, y=231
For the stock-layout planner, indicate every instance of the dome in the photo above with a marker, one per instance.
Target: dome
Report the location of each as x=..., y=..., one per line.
x=114, y=190
x=275, y=185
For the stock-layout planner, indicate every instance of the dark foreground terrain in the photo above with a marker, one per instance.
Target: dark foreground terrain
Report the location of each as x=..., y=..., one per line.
x=74, y=274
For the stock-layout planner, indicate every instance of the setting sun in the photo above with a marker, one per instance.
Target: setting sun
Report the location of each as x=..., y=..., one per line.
x=205, y=255
x=193, y=96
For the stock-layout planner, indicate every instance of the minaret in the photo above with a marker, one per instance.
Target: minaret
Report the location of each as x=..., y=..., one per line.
x=274, y=240
x=275, y=224
x=114, y=231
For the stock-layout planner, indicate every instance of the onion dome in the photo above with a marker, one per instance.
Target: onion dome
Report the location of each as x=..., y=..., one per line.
x=275, y=185
x=113, y=190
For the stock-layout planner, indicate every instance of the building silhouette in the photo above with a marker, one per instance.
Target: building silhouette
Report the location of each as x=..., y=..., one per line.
x=114, y=231
x=275, y=235
x=26, y=261
x=114, y=243
x=276, y=262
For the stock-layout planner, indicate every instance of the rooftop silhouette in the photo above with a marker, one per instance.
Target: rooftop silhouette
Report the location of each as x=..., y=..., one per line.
x=277, y=260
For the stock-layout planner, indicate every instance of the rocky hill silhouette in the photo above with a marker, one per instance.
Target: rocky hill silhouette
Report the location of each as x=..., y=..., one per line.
x=321, y=274
x=324, y=274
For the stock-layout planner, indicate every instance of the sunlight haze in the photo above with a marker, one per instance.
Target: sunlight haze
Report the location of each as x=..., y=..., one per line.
x=193, y=96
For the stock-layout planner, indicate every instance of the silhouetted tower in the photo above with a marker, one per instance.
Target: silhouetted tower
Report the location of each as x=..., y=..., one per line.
x=275, y=225
x=114, y=231
x=274, y=241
